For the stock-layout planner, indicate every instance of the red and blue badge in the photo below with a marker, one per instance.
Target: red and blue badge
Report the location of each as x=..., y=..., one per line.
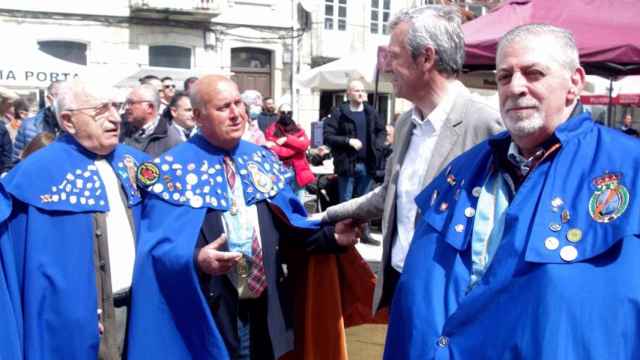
x=609, y=200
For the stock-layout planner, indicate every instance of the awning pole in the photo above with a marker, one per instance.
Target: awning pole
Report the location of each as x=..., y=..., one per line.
x=609, y=105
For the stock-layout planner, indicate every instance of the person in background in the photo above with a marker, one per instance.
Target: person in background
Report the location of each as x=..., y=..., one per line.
x=21, y=109
x=7, y=111
x=153, y=81
x=252, y=100
x=268, y=115
x=7, y=98
x=180, y=113
x=186, y=87
x=145, y=129
x=627, y=126
x=41, y=140
x=287, y=140
x=44, y=120
x=167, y=92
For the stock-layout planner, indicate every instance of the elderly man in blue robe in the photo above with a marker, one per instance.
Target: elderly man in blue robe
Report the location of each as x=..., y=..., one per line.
x=528, y=244
x=70, y=213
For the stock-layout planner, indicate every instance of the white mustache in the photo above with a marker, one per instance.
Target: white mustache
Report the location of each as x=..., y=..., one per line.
x=518, y=103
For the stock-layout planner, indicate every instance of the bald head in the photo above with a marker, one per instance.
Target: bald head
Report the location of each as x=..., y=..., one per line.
x=356, y=93
x=218, y=110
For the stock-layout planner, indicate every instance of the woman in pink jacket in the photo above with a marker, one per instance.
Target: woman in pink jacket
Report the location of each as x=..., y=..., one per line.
x=290, y=143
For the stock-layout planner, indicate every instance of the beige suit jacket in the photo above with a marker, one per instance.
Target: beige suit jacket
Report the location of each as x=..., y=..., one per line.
x=468, y=123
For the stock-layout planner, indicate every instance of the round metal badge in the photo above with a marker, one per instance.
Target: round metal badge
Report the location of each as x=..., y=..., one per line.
x=148, y=174
x=261, y=181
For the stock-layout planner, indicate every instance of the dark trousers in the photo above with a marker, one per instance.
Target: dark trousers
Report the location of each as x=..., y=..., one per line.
x=253, y=332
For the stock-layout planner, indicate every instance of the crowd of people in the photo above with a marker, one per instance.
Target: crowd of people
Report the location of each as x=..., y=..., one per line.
x=171, y=225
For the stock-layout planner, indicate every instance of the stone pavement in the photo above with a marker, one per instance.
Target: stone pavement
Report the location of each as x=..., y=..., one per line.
x=366, y=342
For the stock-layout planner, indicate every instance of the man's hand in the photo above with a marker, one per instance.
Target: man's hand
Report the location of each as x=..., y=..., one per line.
x=348, y=232
x=355, y=143
x=281, y=140
x=270, y=144
x=214, y=262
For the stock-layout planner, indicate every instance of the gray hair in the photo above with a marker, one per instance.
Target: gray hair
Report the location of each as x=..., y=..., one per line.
x=150, y=94
x=567, y=52
x=438, y=27
x=251, y=97
x=69, y=96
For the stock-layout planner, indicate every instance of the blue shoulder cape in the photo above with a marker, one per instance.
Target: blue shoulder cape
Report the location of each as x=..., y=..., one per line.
x=533, y=301
x=46, y=247
x=169, y=315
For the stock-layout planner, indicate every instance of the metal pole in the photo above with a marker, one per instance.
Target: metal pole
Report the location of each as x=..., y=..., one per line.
x=609, y=105
x=294, y=108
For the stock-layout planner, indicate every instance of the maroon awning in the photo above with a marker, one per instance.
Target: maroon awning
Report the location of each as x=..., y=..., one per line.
x=622, y=99
x=606, y=31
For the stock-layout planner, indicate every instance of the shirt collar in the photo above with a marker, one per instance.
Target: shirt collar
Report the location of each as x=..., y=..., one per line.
x=522, y=163
x=438, y=115
x=148, y=129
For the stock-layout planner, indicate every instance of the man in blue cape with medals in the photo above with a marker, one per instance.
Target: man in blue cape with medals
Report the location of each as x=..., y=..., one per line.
x=528, y=244
x=223, y=240
x=69, y=213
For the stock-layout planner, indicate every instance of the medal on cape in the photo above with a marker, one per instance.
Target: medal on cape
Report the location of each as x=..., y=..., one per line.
x=609, y=200
x=131, y=165
x=261, y=181
x=148, y=174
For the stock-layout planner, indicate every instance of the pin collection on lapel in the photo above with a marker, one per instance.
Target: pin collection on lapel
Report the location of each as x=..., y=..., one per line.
x=203, y=184
x=609, y=200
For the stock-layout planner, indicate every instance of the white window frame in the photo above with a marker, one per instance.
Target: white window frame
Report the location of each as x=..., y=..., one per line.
x=337, y=22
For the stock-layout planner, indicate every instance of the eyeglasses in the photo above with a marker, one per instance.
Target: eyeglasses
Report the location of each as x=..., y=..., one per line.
x=98, y=110
x=172, y=86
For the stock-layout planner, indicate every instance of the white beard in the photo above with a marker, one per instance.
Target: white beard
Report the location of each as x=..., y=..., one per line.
x=524, y=126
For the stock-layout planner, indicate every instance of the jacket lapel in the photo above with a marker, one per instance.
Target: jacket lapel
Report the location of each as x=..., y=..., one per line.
x=449, y=134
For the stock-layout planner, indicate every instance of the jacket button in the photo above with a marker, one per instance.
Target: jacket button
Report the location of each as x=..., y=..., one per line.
x=98, y=232
x=212, y=294
x=443, y=341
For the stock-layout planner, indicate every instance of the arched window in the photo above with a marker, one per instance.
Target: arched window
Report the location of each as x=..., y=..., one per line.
x=170, y=56
x=72, y=51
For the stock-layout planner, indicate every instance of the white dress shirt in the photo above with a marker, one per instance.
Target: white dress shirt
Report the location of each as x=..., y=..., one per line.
x=119, y=233
x=414, y=167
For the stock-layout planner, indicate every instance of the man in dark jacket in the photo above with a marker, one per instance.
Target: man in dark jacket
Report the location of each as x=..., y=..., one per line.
x=268, y=115
x=356, y=134
x=145, y=129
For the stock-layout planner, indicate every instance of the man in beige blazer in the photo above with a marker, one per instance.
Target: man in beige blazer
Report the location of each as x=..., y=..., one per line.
x=425, y=55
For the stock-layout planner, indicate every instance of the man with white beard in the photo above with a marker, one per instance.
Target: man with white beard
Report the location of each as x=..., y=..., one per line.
x=525, y=243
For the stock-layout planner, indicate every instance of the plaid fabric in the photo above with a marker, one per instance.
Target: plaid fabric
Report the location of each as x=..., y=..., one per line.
x=257, y=280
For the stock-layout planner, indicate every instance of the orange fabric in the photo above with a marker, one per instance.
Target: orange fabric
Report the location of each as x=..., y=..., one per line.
x=333, y=292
